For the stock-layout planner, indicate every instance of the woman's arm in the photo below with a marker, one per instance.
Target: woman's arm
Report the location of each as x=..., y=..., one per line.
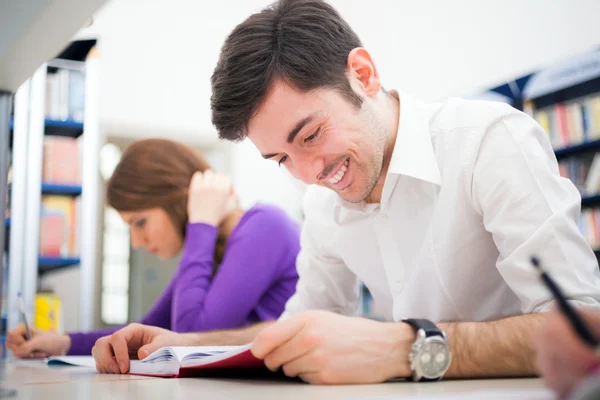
x=251, y=265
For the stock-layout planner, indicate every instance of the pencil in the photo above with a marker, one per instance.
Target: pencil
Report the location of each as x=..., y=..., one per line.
x=576, y=322
x=24, y=317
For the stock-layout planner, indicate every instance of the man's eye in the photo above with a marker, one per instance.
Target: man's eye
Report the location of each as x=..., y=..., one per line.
x=313, y=136
x=282, y=160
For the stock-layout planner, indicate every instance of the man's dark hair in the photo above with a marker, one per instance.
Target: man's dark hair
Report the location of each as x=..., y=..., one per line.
x=304, y=43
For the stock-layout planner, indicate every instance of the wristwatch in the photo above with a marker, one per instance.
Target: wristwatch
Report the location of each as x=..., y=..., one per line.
x=430, y=355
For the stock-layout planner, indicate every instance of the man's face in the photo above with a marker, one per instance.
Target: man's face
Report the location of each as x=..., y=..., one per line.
x=321, y=138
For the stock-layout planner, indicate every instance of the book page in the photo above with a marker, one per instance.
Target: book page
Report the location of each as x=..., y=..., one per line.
x=162, y=354
x=199, y=352
x=78, y=361
x=206, y=355
x=154, y=367
x=167, y=360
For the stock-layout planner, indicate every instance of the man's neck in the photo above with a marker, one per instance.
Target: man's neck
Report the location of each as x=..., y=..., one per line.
x=392, y=133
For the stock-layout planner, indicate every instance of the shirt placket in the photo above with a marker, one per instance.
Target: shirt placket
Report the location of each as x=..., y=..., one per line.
x=384, y=228
x=389, y=253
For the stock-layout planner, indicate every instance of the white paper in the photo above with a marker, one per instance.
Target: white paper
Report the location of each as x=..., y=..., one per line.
x=78, y=361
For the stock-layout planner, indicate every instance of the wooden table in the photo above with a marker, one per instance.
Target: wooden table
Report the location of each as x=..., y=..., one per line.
x=34, y=380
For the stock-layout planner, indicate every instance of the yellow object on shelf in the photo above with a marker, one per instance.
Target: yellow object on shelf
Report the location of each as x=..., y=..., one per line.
x=48, y=312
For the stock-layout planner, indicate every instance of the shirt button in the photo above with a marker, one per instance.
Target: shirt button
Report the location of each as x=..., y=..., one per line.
x=383, y=217
x=398, y=286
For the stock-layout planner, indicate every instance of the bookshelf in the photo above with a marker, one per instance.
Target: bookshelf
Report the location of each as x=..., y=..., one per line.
x=61, y=189
x=590, y=201
x=56, y=127
x=565, y=100
x=564, y=152
x=55, y=140
x=47, y=264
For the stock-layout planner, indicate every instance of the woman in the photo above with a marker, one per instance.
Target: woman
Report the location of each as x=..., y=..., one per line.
x=237, y=267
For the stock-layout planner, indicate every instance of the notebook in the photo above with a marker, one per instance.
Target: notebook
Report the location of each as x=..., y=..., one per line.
x=173, y=362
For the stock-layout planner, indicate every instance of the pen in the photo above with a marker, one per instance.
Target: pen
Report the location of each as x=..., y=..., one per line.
x=24, y=317
x=576, y=322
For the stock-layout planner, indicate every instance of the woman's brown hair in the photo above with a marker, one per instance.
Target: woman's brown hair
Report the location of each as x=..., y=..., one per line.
x=157, y=173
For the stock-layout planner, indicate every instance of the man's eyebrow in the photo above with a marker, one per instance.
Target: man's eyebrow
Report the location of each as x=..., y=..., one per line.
x=294, y=132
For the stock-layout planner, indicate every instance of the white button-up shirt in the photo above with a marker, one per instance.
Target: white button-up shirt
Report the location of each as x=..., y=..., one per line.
x=472, y=192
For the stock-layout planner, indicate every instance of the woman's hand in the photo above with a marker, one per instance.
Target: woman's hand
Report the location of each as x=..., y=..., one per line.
x=42, y=344
x=211, y=198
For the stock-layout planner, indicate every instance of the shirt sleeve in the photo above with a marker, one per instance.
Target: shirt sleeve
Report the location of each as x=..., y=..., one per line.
x=249, y=268
x=324, y=280
x=531, y=210
x=82, y=343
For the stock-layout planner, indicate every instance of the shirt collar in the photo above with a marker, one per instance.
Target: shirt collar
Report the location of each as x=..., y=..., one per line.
x=413, y=153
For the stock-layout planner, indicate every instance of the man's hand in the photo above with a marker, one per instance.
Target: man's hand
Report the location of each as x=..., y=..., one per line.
x=562, y=358
x=327, y=348
x=112, y=353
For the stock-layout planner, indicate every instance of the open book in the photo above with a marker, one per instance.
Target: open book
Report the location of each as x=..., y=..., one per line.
x=181, y=361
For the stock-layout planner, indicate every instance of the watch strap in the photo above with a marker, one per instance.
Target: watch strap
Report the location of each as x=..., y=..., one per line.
x=426, y=325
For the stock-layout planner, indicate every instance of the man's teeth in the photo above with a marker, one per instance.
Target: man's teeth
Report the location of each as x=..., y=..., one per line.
x=340, y=174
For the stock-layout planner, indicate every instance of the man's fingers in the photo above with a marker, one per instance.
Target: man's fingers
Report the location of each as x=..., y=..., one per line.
x=124, y=341
x=276, y=335
x=301, y=366
x=118, y=343
x=297, y=346
x=314, y=378
x=103, y=355
x=148, y=349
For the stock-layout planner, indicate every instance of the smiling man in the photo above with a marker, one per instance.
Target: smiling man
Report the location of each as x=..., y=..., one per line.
x=437, y=208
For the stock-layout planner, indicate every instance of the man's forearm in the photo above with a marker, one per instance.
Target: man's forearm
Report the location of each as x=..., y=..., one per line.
x=500, y=348
x=230, y=337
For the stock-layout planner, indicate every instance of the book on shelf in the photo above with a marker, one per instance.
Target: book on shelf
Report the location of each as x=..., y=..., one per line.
x=65, y=94
x=61, y=164
x=583, y=171
x=588, y=224
x=52, y=233
x=67, y=207
x=592, y=180
x=572, y=123
x=174, y=362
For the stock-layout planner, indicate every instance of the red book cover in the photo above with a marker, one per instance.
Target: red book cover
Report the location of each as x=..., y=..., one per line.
x=562, y=124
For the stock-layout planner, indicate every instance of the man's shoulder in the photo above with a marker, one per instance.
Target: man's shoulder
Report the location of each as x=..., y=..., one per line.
x=459, y=113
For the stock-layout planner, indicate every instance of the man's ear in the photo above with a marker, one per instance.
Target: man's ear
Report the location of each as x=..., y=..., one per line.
x=362, y=72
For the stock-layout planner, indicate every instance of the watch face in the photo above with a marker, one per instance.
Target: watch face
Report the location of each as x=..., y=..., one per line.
x=434, y=357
